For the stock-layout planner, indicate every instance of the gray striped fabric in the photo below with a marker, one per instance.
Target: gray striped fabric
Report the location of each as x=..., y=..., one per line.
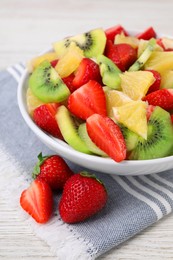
x=134, y=202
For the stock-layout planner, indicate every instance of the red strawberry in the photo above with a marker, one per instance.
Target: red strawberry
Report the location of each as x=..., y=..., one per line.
x=147, y=34
x=83, y=196
x=69, y=82
x=44, y=117
x=123, y=55
x=87, y=100
x=161, y=97
x=113, y=31
x=54, y=63
x=160, y=42
x=106, y=134
x=150, y=110
x=87, y=70
x=53, y=169
x=37, y=201
x=156, y=85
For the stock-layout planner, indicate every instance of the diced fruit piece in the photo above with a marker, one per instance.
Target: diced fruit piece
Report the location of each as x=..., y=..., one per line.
x=89, y=143
x=113, y=31
x=54, y=63
x=44, y=117
x=159, y=142
x=143, y=44
x=52, y=169
x=46, y=84
x=70, y=61
x=68, y=81
x=135, y=84
x=139, y=63
x=69, y=131
x=131, y=40
x=123, y=55
x=156, y=85
x=147, y=34
x=133, y=116
x=32, y=101
x=109, y=72
x=37, y=201
x=167, y=44
x=167, y=79
x=107, y=135
x=131, y=138
x=35, y=62
x=87, y=100
x=83, y=196
x=115, y=98
x=161, y=97
x=87, y=70
x=92, y=43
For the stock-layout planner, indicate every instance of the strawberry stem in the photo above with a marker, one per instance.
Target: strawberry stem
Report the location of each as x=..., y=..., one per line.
x=89, y=175
x=41, y=160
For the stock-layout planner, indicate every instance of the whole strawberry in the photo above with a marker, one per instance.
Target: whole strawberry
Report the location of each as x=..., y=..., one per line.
x=83, y=196
x=37, y=201
x=53, y=169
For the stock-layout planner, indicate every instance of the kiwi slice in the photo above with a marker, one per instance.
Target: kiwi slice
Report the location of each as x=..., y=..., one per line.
x=130, y=137
x=69, y=130
x=159, y=141
x=46, y=84
x=139, y=63
x=109, y=72
x=82, y=130
x=92, y=43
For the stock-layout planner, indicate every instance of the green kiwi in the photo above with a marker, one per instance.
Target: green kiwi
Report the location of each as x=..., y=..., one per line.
x=46, y=84
x=159, y=141
x=69, y=130
x=92, y=43
x=139, y=63
x=130, y=137
x=109, y=72
x=82, y=131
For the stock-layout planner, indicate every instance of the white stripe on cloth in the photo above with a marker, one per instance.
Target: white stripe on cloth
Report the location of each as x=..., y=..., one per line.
x=14, y=73
x=139, y=196
x=19, y=68
x=157, y=186
x=162, y=180
x=154, y=194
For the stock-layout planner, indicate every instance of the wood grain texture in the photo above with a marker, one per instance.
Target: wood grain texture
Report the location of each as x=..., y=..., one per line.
x=29, y=27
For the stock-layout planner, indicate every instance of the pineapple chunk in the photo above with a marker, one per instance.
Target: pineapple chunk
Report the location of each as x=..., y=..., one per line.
x=143, y=44
x=131, y=40
x=160, y=61
x=35, y=62
x=167, y=79
x=70, y=61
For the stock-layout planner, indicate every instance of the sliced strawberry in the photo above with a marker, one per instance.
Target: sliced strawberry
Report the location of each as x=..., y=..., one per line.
x=156, y=85
x=164, y=47
x=161, y=97
x=37, y=201
x=150, y=110
x=123, y=55
x=106, y=134
x=87, y=70
x=44, y=117
x=113, y=31
x=69, y=82
x=87, y=100
x=147, y=34
x=53, y=63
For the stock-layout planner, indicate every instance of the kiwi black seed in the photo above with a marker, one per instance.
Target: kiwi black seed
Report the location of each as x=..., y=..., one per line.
x=47, y=85
x=92, y=43
x=159, y=141
x=109, y=72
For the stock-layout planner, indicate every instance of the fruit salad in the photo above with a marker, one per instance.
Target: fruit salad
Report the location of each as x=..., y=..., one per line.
x=106, y=92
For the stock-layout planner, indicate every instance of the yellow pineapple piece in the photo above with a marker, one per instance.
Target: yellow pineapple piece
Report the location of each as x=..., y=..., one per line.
x=167, y=43
x=133, y=116
x=135, y=84
x=32, y=101
x=131, y=40
x=115, y=98
x=70, y=61
x=167, y=79
x=143, y=44
x=160, y=61
x=35, y=62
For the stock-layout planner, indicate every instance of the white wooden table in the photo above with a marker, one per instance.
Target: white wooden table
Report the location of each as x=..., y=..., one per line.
x=28, y=27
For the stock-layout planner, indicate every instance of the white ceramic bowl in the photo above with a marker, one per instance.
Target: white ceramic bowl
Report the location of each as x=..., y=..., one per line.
x=106, y=165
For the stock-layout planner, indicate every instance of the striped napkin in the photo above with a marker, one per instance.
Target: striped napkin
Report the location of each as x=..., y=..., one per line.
x=134, y=202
